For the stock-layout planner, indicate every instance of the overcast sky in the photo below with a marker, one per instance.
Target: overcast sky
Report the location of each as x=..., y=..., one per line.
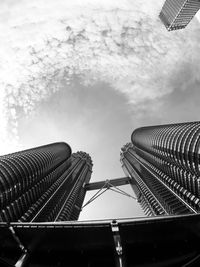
x=89, y=73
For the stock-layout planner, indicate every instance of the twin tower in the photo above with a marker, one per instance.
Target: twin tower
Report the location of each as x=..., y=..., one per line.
x=49, y=183
x=43, y=184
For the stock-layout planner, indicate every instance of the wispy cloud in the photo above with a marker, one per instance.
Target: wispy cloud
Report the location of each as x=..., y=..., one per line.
x=119, y=42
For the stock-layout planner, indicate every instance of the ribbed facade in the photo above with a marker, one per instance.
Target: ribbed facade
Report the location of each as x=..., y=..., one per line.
x=38, y=184
x=76, y=180
x=164, y=163
x=176, y=14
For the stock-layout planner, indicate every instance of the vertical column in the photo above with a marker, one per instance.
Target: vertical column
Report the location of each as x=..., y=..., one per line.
x=71, y=208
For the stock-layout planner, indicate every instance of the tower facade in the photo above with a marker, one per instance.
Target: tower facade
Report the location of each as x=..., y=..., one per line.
x=43, y=184
x=176, y=14
x=163, y=162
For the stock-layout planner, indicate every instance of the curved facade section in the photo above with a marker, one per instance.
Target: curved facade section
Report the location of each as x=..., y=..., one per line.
x=64, y=202
x=35, y=183
x=177, y=144
x=168, y=156
x=154, y=195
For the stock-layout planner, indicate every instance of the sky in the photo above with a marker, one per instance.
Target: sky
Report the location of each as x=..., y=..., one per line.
x=88, y=73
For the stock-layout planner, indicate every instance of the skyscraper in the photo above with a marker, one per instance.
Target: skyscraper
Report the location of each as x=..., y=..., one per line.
x=176, y=14
x=48, y=184
x=163, y=162
x=43, y=184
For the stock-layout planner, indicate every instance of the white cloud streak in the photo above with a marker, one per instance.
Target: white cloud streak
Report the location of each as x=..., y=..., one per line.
x=120, y=42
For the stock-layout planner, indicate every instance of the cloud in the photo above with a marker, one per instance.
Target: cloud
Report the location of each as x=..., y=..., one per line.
x=182, y=104
x=119, y=42
x=94, y=119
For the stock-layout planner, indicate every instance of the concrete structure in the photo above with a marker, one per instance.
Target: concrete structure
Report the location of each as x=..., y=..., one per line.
x=163, y=162
x=176, y=14
x=43, y=184
x=156, y=241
